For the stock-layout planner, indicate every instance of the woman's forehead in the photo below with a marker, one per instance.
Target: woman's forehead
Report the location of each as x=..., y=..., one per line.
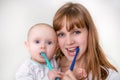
x=69, y=22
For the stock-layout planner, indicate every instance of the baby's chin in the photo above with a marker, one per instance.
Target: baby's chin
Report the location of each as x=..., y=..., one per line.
x=42, y=62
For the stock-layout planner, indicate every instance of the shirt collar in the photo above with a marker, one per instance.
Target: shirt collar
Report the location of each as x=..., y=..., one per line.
x=37, y=64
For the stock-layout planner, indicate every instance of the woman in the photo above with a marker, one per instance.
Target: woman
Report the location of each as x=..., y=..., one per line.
x=75, y=28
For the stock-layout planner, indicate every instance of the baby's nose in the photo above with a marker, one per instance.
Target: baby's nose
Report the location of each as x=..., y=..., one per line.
x=42, y=46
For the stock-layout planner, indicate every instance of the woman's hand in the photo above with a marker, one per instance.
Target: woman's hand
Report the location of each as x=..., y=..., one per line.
x=69, y=76
x=52, y=74
x=81, y=74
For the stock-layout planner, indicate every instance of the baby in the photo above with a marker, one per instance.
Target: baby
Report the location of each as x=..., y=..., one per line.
x=41, y=38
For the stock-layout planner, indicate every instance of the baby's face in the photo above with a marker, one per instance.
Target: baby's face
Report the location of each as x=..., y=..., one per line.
x=42, y=39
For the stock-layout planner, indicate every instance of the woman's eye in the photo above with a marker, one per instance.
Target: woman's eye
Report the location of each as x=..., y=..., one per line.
x=37, y=42
x=49, y=42
x=60, y=34
x=77, y=32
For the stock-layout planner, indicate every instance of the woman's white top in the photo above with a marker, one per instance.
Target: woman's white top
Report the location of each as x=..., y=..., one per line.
x=113, y=75
x=31, y=70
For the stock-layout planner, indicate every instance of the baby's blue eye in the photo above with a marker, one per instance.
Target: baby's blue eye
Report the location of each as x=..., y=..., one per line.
x=49, y=42
x=37, y=41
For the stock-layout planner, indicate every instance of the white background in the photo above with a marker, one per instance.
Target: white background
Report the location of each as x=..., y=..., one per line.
x=17, y=16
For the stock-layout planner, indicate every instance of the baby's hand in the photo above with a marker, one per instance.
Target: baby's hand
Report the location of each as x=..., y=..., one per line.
x=52, y=74
x=81, y=74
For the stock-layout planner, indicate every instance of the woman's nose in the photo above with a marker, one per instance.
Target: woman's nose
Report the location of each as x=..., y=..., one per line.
x=69, y=40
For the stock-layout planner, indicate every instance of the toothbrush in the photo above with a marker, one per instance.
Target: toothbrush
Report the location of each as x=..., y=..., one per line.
x=48, y=62
x=73, y=62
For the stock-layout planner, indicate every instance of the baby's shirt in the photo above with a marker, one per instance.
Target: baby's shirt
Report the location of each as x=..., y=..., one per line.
x=31, y=70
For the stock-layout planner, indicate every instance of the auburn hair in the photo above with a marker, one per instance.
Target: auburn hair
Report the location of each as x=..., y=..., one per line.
x=77, y=15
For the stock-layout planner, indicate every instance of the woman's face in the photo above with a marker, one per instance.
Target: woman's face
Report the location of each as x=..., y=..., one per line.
x=70, y=40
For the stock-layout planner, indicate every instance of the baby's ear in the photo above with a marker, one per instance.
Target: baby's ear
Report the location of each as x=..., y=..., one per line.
x=27, y=44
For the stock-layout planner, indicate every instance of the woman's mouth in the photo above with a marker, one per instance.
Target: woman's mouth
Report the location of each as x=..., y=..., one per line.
x=71, y=51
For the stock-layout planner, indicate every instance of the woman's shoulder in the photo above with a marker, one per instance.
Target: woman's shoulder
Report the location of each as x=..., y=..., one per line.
x=113, y=75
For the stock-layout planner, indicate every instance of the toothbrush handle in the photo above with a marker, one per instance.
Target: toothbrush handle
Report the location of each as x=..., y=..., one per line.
x=50, y=66
x=57, y=78
x=48, y=63
x=73, y=63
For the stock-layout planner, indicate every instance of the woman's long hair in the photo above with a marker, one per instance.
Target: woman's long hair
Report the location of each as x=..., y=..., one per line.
x=77, y=15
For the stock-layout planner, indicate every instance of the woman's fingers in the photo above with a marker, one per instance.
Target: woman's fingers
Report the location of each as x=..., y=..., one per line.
x=81, y=73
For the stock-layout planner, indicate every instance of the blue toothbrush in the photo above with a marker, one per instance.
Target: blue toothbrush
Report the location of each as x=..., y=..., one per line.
x=48, y=62
x=73, y=62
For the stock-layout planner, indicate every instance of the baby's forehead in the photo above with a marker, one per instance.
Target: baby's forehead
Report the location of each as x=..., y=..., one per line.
x=45, y=29
x=42, y=27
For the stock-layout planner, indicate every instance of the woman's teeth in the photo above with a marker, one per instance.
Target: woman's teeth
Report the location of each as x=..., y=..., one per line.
x=71, y=48
x=71, y=51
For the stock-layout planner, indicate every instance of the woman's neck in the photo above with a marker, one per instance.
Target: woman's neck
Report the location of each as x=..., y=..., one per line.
x=65, y=63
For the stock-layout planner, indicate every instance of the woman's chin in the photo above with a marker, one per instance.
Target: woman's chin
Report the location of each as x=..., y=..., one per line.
x=70, y=58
